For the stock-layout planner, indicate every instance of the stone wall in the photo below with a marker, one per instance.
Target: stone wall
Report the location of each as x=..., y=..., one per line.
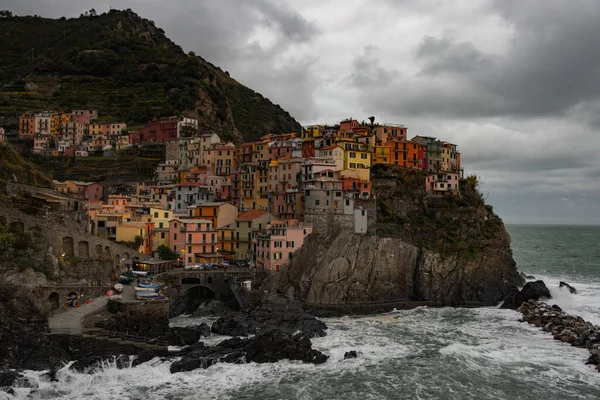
x=53, y=299
x=74, y=255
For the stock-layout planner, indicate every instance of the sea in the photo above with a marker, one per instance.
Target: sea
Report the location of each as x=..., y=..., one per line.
x=424, y=353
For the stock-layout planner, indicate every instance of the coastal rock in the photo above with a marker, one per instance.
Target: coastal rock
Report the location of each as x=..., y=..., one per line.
x=564, y=327
x=569, y=287
x=235, y=325
x=185, y=336
x=418, y=250
x=266, y=347
x=8, y=378
x=531, y=291
x=273, y=312
x=528, y=277
x=50, y=376
x=350, y=354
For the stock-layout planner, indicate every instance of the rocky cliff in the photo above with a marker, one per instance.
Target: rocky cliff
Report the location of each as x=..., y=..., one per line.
x=421, y=250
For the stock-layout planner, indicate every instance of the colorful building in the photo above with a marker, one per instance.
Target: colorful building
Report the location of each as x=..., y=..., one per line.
x=275, y=247
x=195, y=240
x=218, y=213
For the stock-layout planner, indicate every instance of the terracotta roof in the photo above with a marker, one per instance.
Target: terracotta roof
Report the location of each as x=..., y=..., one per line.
x=196, y=184
x=251, y=215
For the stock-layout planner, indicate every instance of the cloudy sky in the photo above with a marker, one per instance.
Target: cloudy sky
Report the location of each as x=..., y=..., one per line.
x=516, y=84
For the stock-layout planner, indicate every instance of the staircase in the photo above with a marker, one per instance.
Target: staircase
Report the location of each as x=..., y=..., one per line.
x=239, y=296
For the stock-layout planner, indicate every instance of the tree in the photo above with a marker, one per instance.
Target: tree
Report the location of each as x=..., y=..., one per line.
x=188, y=131
x=93, y=12
x=165, y=253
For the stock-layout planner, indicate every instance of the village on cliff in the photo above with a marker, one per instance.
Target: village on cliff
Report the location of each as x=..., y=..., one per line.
x=211, y=202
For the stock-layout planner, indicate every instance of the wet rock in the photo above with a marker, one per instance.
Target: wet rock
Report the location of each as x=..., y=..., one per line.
x=350, y=354
x=265, y=347
x=569, y=287
x=183, y=336
x=236, y=325
x=190, y=364
x=8, y=378
x=531, y=291
x=50, y=375
x=276, y=345
x=144, y=356
x=528, y=277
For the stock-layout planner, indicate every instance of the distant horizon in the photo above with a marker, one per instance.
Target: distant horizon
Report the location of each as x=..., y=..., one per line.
x=551, y=224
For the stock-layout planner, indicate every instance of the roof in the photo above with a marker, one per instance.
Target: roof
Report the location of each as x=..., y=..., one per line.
x=229, y=226
x=330, y=147
x=185, y=184
x=192, y=221
x=251, y=215
x=212, y=204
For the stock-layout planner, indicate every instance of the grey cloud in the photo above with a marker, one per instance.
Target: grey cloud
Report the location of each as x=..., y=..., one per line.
x=368, y=72
x=551, y=65
x=446, y=55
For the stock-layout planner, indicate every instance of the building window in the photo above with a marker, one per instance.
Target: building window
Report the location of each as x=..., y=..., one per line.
x=174, y=236
x=189, y=259
x=156, y=215
x=317, y=202
x=363, y=156
x=166, y=215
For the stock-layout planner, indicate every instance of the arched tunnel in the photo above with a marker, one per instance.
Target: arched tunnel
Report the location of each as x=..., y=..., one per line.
x=196, y=295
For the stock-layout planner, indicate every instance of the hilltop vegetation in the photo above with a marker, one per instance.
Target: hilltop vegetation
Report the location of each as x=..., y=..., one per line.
x=14, y=167
x=126, y=68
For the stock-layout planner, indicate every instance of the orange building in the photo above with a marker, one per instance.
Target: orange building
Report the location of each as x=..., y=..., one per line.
x=219, y=214
x=26, y=125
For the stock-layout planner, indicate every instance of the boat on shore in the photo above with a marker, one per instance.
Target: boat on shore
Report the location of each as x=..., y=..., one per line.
x=148, y=286
x=138, y=289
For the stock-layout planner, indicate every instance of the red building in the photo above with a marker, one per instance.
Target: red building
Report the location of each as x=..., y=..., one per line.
x=158, y=131
x=308, y=148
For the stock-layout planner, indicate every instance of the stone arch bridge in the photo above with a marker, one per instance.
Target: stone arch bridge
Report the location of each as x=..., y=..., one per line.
x=219, y=284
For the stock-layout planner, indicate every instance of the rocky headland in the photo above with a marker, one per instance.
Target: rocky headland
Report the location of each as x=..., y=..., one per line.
x=419, y=250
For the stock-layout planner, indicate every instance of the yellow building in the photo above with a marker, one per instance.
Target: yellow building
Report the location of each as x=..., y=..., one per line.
x=127, y=231
x=161, y=218
x=226, y=236
x=358, y=157
x=382, y=155
x=221, y=159
x=219, y=214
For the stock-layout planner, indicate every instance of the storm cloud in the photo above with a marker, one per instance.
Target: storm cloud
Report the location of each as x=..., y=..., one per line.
x=516, y=84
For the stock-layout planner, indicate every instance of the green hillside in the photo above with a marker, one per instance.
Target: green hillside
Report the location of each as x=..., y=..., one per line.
x=126, y=68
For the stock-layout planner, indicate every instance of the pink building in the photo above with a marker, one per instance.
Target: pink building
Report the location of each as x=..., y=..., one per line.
x=442, y=184
x=83, y=117
x=275, y=248
x=195, y=240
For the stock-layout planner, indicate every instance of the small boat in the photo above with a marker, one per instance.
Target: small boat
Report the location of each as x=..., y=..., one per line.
x=148, y=285
x=143, y=289
x=118, y=287
x=125, y=280
x=152, y=298
x=147, y=295
x=140, y=273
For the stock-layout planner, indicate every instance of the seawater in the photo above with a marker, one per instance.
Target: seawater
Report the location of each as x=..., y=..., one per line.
x=417, y=354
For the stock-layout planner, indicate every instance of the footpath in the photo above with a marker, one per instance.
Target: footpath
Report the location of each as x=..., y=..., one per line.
x=69, y=322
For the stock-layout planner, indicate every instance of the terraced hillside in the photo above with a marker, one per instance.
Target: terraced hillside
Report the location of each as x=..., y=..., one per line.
x=126, y=68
